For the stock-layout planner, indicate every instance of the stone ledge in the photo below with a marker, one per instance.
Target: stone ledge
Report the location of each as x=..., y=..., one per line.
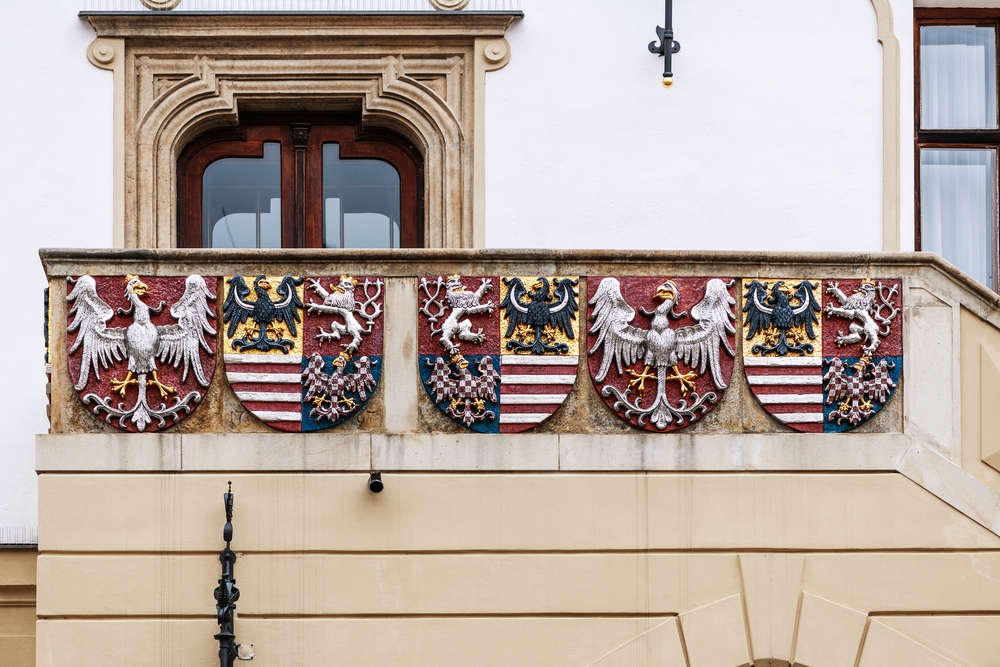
x=329, y=452
x=61, y=262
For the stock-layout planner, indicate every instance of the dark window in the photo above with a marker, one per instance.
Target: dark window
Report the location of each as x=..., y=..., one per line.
x=285, y=185
x=957, y=138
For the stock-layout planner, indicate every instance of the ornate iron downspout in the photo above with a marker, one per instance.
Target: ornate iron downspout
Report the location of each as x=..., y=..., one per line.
x=667, y=46
x=227, y=594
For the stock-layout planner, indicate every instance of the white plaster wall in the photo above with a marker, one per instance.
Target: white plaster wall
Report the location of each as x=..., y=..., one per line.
x=771, y=137
x=902, y=12
x=55, y=190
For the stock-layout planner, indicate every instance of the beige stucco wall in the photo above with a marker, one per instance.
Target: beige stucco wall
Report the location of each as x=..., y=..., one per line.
x=514, y=569
x=17, y=607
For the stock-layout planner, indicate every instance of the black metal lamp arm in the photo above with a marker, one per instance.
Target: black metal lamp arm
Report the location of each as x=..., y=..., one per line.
x=667, y=46
x=227, y=594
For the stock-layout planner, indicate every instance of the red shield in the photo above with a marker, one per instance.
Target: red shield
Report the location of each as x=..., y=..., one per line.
x=660, y=349
x=141, y=350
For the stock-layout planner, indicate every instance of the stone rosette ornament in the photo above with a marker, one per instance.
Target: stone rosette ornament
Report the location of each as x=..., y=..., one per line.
x=660, y=350
x=160, y=5
x=822, y=355
x=449, y=5
x=498, y=354
x=303, y=353
x=141, y=350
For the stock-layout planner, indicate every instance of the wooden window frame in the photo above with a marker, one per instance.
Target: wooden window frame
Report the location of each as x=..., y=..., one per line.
x=963, y=138
x=301, y=139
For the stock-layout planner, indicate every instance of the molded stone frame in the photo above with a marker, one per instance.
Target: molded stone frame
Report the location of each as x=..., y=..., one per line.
x=178, y=76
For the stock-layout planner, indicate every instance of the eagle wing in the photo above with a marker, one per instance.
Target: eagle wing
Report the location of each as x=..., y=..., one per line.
x=758, y=315
x=622, y=342
x=236, y=310
x=698, y=346
x=287, y=310
x=511, y=305
x=562, y=314
x=805, y=312
x=179, y=343
x=101, y=346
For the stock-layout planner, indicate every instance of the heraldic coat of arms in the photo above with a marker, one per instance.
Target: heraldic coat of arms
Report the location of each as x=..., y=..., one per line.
x=502, y=374
x=657, y=364
x=822, y=356
x=141, y=350
x=303, y=353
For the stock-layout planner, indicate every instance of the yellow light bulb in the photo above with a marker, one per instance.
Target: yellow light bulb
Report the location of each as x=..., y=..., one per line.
x=668, y=81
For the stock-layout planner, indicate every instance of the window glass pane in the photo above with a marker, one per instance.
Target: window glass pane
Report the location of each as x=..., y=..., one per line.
x=360, y=202
x=958, y=87
x=957, y=207
x=241, y=201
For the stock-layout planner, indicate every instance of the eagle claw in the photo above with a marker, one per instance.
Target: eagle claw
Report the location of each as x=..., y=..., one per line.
x=685, y=380
x=162, y=388
x=639, y=383
x=120, y=385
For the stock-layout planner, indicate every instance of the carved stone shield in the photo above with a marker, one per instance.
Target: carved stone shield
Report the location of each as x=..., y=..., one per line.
x=303, y=353
x=459, y=348
x=141, y=350
x=500, y=372
x=660, y=350
x=822, y=356
x=539, y=347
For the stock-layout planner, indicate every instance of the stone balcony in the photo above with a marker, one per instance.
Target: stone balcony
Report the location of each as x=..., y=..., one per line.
x=939, y=428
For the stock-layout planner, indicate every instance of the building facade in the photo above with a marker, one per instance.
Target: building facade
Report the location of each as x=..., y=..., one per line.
x=650, y=375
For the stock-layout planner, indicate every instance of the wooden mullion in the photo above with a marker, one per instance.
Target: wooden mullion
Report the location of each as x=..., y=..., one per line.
x=955, y=15
x=978, y=137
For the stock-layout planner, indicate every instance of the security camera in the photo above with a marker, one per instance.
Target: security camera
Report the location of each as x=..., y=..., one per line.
x=375, y=481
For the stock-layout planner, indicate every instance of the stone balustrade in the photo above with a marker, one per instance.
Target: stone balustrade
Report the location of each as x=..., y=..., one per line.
x=940, y=407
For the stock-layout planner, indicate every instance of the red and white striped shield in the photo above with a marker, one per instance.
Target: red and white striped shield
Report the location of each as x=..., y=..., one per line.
x=822, y=355
x=790, y=388
x=539, y=347
x=303, y=353
x=533, y=388
x=503, y=374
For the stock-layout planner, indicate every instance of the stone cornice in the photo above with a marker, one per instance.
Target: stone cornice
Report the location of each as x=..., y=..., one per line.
x=410, y=262
x=398, y=26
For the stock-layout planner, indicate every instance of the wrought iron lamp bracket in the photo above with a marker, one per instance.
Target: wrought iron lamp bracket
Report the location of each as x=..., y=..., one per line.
x=227, y=594
x=667, y=46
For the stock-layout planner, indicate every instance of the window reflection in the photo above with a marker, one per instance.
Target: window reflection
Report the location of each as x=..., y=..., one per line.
x=360, y=202
x=957, y=77
x=957, y=208
x=241, y=201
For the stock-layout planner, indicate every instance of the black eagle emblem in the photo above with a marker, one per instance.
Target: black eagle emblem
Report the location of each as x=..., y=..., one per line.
x=776, y=311
x=539, y=311
x=264, y=312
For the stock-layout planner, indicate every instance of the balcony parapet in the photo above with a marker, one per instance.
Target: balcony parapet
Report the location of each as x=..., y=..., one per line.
x=947, y=331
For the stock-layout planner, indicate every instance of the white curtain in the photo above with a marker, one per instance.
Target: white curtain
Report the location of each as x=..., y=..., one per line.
x=957, y=77
x=956, y=207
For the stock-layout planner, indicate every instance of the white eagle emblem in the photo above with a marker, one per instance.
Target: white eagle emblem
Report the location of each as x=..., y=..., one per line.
x=662, y=348
x=141, y=344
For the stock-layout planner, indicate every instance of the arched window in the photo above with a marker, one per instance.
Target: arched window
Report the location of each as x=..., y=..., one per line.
x=325, y=184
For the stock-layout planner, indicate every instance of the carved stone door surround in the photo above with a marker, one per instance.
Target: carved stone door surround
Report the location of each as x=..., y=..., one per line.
x=178, y=76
